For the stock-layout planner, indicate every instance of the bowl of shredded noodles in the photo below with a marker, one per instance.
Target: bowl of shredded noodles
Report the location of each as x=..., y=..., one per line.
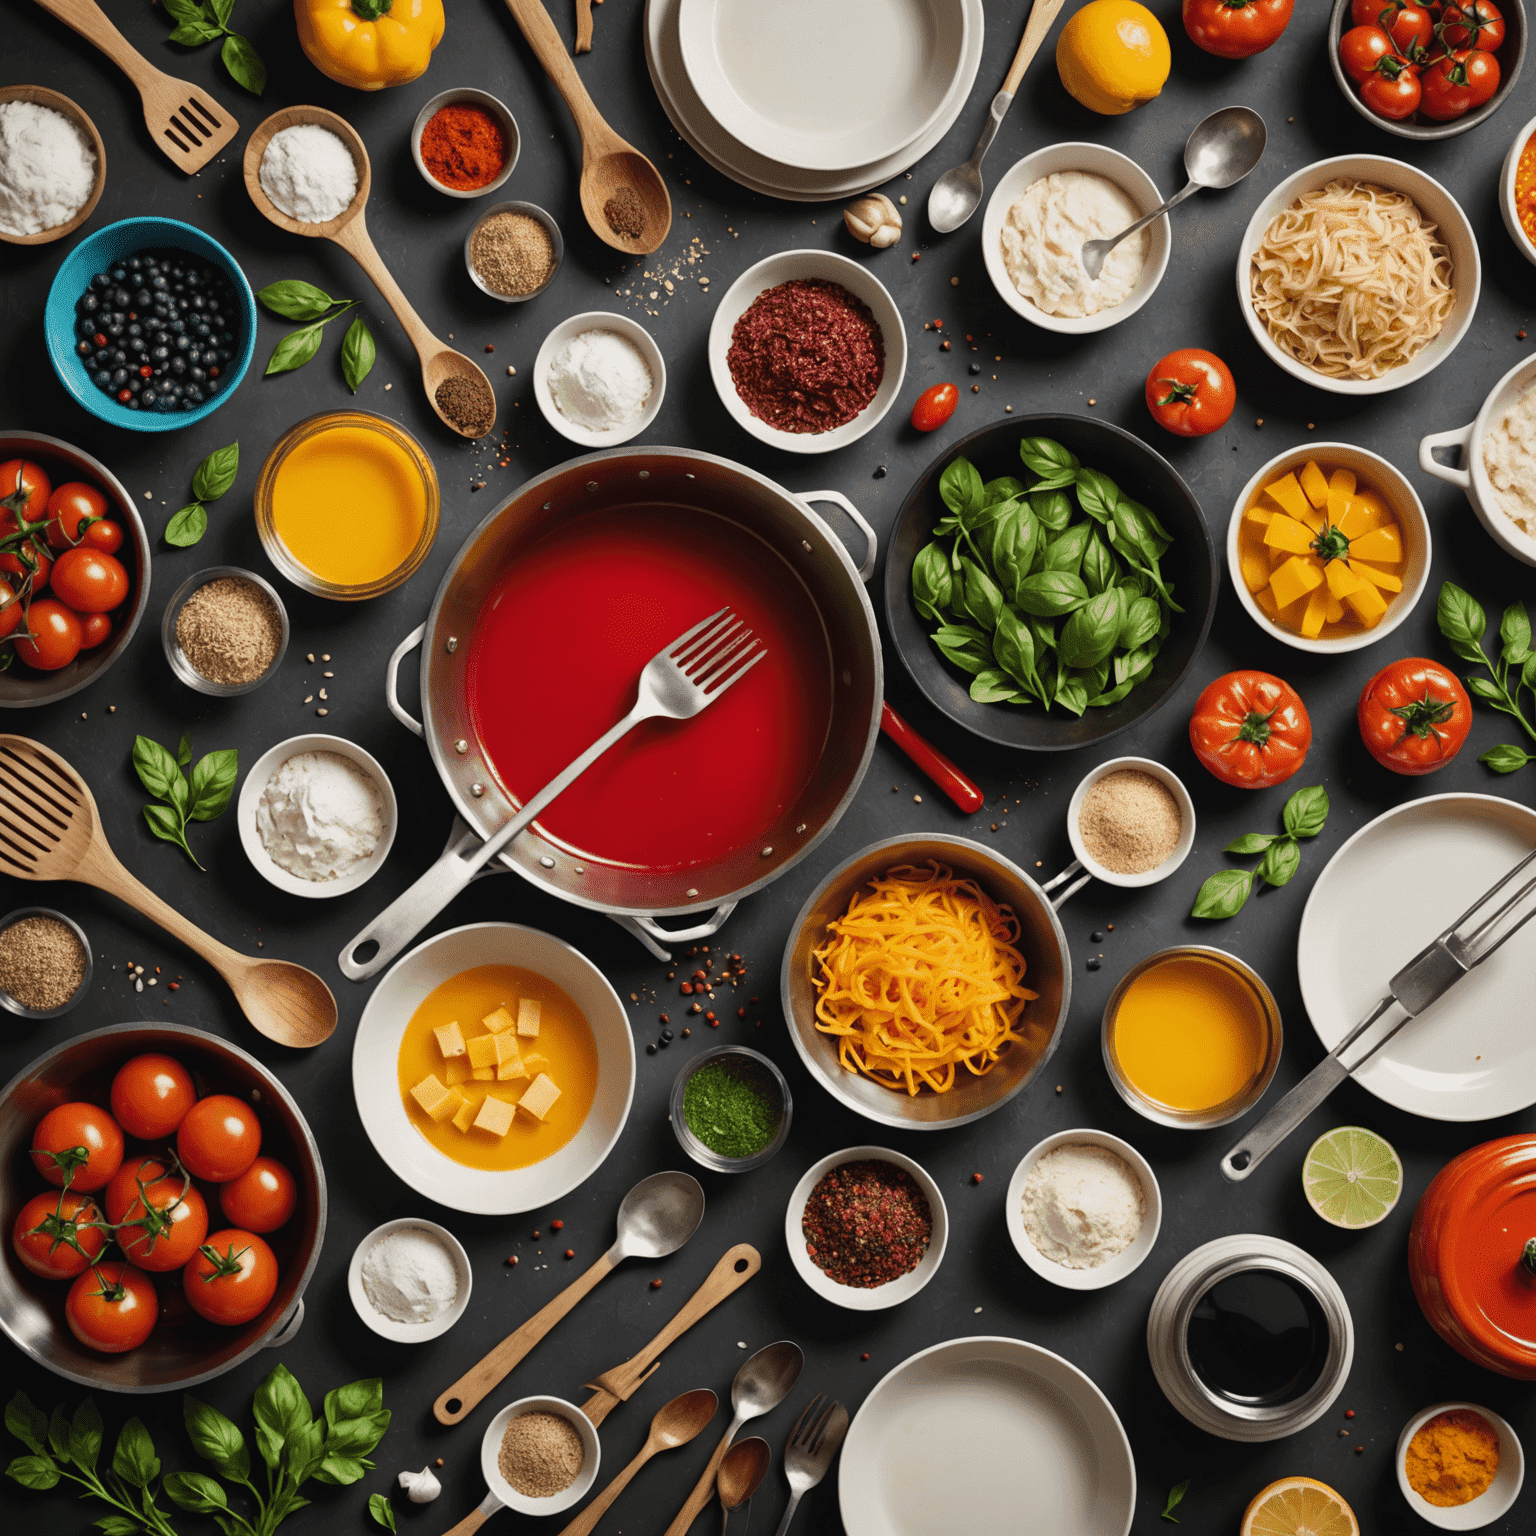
x=1359, y=274
x=926, y=982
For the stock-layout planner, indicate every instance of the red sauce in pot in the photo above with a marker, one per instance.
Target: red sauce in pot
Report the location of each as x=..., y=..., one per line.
x=557, y=651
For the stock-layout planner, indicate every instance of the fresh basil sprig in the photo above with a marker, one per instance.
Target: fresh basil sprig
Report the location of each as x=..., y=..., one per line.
x=1175, y=1498
x=294, y=299
x=1463, y=622
x=382, y=1510
x=1223, y=894
x=202, y=21
x=201, y=799
x=210, y=480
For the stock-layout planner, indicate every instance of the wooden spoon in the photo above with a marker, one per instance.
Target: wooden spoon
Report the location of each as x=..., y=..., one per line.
x=609, y=164
x=741, y=1473
x=50, y=829
x=350, y=231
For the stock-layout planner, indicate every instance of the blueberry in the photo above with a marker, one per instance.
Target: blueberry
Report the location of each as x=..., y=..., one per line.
x=83, y=348
x=148, y=398
x=101, y=280
x=117, y=357
x=88, y=326
x=178, y=366
x=135, y=329
x=157, y=282
x=135, y=263
x=201, y=328
x=135, y=383
x=102, y=379
x=161, y=354
x=122, y=298
x=119, y=274
x=91, y=302
x=198, y=375
x=194, y=394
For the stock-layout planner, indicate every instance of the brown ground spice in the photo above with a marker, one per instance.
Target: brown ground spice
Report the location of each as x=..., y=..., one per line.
x=468, y=403
x=513, y=254
x=230, y=630
x=541, y=1454
x=1130, y=822
x=41, y=962
x=625, y=213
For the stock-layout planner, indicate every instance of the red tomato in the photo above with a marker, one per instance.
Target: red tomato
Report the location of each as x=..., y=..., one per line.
x=72, y=504
x=1367, y=13
x=106, y=536
x=1250, y=729
x=151, y=1095
x=55, y=636
x=10, y=608
x=1361, y=49
x=1191, y=392
x=89, y=581
x=112, y=1308
x=1483, y=73
x=77, y=1144
x=30, y=558
x=54, y=1236
x=231, y=1278
x=94, y=628
x=935, y=406
x=160, y=1215
x=1236, y=29
x=24, y=489
x=1414, y=716
x=262, y=1198
x=1393, y=90
x=1447, y=95
x=1469, y=24
x=219, y=1138
x=1410, y=28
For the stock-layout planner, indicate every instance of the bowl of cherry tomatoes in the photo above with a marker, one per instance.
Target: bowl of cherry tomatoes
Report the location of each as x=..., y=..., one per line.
x=163, y=1207
x=1427, y=69
x=74, y=569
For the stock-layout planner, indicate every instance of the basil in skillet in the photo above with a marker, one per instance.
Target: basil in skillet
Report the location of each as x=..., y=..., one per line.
x=1048, y=591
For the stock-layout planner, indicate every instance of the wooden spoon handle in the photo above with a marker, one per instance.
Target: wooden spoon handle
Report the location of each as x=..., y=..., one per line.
x=95, y=26
x=536, y=26
x=477, y=1516
x=1039, y=23
x=471, y=1388
x=354, y=239
x=703, y=1491
x=586, y=1521
x=583, y=27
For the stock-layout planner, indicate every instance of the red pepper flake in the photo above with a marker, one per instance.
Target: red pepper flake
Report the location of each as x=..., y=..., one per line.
x=490, y=347
x=173, y=986
x=701, y=975
x=709, y=1018
x=687, y=989
x=664, y=1019
x=557, y=1226
x=938, y=325
x=741, y=1013
x=1349, y=1413
x=655, y=1285
x=866, y=1223
x=865, y=1355
x=570, y=1253
x=1519, y=335
x=697, y=1008
x=535, y=1237
x=512, y=1260
x=976, y=1178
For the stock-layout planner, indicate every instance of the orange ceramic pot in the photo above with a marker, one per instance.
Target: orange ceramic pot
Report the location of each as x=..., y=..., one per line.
x=1464, y=1255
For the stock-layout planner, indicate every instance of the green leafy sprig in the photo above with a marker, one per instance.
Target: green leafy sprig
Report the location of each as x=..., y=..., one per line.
x=201, y=799
x=294, y=299
x=204, y=21
x=1175, y=1498
x=1463, y=622
x=210, y=480
x=1224, y=893
x=382, y=1510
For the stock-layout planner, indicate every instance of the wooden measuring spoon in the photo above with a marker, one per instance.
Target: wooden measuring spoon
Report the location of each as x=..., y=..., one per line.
x=349, y=230
x=742, y=1470
x=50, y=829
x=608, y=163
x=675, y=1424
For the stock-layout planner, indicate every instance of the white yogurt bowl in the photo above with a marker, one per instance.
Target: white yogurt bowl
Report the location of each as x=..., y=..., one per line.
x=386, y=1327
x=598, y=320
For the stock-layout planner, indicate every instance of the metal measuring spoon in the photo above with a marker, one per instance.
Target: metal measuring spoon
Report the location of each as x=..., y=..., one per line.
x=1222, y=150
x=741, y=1474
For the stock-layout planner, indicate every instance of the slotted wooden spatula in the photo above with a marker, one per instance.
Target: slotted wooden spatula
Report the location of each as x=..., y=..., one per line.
x=185, y=122
x=50, y=829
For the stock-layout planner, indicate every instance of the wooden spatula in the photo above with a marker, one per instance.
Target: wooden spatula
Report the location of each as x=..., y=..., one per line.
x=50, y=829
x=185, y=122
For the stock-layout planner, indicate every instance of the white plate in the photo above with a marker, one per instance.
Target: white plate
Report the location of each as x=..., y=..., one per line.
x=1383, y=896
x=405, y=985
x=823, y=87
x=758, y=173
x=985, y=1435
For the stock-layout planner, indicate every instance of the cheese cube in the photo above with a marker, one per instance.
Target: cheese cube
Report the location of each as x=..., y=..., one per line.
x=528, y=1018
x=1316, y=612
x=498, y=1021
x=484, y=1074
x=450, y=1040
x=1341, y=490
x=1295, y=579
x=1368, y=604
x=1288, y=496
x=1383, y=579
x=506, y=1048
x=495, y=1116
x=1384, y=544
x=464, y=1116
x=482, y=1051
x=1287, y=534
x=1341, y=580
x=458, y=1071
x=434, y=1097
x=1266, y=600
x=1255, y=569
x=1315, y=483
x=1257, y=515
x=540, y=1096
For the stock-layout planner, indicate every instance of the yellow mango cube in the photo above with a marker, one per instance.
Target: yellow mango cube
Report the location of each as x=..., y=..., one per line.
x=458, y=1071
x=482, y=1051
x=450, y=1040
x=1341, y=490
x=495, y=1116
x=1255, y=569
x=1383, y=579
x=506, y=1049
x=1341, y=580
x=528, y=1018
x=1315, y=613
x=540, y=1097
x=1370, y=506
x=1266, y=600
x=433, y=1097
x=1315, y=485
x=484, y=1074
x=1287, y=494
x=1287, y=534
x=1257, y=515
x=1367, y=604
x=498, y=1021
x=1297, y=577
x=464, y=1116
x=1333, y=609
x=1384, y=545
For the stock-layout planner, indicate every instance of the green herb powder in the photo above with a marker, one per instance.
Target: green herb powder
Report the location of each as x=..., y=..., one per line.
x=733, y=1107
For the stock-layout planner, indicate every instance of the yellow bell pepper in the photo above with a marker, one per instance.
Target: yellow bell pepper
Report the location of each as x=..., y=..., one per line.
x=369, y=44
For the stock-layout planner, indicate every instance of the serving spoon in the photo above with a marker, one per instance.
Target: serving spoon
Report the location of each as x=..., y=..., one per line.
x=741, y=1474
x=349, y=230
x=1222, y=150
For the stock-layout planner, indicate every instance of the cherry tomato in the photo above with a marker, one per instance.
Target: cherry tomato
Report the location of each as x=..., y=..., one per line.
x=24, y=489
x=1414, y=716
x=10, y=608
x=1236, y=29
x=262, y=1198
x=1469, y=24
x=1250, y=729
x=1191, y=392
x=1447, y=95
x=106, y=536
x=231, y=1278
x=54, y=1236
x=151, y=1095
x=31, y=558
x=160, y=1214
x=1483, y=73
x=935, y=406
x=219, y=1138
x=112, y=1308
x=55, y=636
x=1367, y=13
x=94, y=628
x=1393, y=90
x=71, y=504
x=89, y=581
x=78, y=1142
x=1360, y=49
x=1410, y=28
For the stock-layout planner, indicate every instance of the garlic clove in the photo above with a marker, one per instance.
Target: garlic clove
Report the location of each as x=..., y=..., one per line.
x=420, y=1487
x=873, y=219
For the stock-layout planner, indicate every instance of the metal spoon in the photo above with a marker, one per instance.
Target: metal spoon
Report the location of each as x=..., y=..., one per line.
x=1222, y=150
x=657, y=1217
x=957, y=193
x=741, y=1473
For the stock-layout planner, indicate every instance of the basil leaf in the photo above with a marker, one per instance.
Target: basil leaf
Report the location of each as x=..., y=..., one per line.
x=187, y=526
x=221, y=10
x=1133, y=666
x=28, y=1423
x=1013, y=547
x=184, y=750
x=932, y=582
x=1461, y=618
x=118, y=1525
x=156, y=769
x=1175, y=1498
x=1281, y=860
x=216, y=1439
x=195, y=1492
x=357, y=353
x=244, y=63
x=1089, y=635
x=1515, y=633
x=1097, y=494
x=966, y=647
x=213, y=781
x=960, y=486
x=1014, y=647
x=1158, y=536
x=1223, y=895
x=169, y=827
x=178, y=796
x=1051, y=507
x=1306, y=811
x=294, y=299
x=1140, y=623
x=295, y=349
x=304, y=1450
x=983, y=597
x=1484, y=689
x=1114, y=695
x=36, y=1472
x=184, y=10
x=1505, y=759
x=192, y=34
x=1004, y=488
x=1098, y=569
x=353, y=1437
x=1044, y=632
x=1528, y=672
x=1072, y=693
x=1046, y=457
x=134, y=1460
x=357, y=1400
x=279, y=1408
x=216, y=473
x=58, y=1433
x=1251, y=842
x=382, y=1510
x=1065, y=551
x=991, y=686
x=85, y=1434
x=1049, y=594
x=339, y=1471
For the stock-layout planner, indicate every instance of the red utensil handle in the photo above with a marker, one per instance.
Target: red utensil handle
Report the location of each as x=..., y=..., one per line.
x=933, y=762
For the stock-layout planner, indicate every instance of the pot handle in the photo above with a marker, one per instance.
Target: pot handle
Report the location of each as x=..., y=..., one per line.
x=1074, y=868
x=289, y=1330
x=871, y=539
x=1460, y=437
x=392, y=681
x=651, y=934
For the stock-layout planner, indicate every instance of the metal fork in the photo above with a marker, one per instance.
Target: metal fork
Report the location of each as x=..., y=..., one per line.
x=679, y=681
x=809, y=1451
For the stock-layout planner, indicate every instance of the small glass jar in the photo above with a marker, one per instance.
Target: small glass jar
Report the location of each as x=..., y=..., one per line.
x=20, y=1009
x=177, y=657
x=707, y=1156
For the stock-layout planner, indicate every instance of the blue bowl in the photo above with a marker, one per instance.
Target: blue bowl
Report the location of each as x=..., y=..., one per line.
x=95, y=254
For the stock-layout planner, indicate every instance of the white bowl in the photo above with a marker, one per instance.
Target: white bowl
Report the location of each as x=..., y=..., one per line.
x=1128, y=1259
x=1471, y=475
x=599, y=320
x=387, y=1327
x=502, y=1493
x=1096, y=160
x=859, y=1298
x=1175, y=786
x=375, y=1085
x=1494, y=1502
x=1400, y=496
x=1507, y=207
x=786, y=267
x=250, y=797
x=1434, y=202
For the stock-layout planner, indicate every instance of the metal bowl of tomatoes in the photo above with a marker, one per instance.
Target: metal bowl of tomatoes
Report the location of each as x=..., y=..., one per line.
x=58, y=503
x=1401, y=63
x=49, y=1316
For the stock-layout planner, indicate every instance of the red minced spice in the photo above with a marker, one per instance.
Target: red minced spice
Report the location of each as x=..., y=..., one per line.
x=806, y=356
x=866, y=1223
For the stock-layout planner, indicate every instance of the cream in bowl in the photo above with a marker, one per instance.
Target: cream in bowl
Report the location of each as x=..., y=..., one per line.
x=599, y=379
x=409, y=1280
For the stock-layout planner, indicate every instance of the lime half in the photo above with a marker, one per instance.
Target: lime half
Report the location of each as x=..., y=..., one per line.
x=1352, y=1177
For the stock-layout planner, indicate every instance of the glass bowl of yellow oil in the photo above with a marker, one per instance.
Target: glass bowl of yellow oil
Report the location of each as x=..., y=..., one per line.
x=347, y=505
x=1191, y=1037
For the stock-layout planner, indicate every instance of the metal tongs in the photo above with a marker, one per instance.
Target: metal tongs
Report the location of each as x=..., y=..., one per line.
x=1500, y=912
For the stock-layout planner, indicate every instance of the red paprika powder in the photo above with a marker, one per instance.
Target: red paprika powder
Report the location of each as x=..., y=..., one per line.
x=463, y=147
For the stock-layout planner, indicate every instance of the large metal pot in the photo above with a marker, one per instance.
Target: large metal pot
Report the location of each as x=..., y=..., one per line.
x=634, y=477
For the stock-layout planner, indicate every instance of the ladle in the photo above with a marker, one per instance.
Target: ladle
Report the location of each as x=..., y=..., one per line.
x=657, y=1217
x=741, y=1474
x=439, y=362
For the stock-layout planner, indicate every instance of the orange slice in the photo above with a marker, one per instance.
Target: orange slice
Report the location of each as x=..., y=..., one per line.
x=1299, y=1506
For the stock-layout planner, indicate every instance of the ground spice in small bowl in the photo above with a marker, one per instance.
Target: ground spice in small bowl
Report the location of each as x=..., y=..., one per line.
x=625, y=213
x=512, y=254
x=541, y=1454
x=230, y=631
x=1130, y=822
x=468, y=403
x=1452, y=1458
x=733, y=1106
x=42, y=962
x=866, y=1223
x=463, y=147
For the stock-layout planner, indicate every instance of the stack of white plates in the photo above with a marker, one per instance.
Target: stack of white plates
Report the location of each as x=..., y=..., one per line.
x=811, y=101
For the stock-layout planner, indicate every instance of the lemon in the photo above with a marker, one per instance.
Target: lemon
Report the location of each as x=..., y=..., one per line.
x=1352, y=1177
x=1299, y=1506
x=1113, y=55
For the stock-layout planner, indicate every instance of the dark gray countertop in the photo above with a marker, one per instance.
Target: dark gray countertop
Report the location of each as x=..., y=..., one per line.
x=1400, y=1365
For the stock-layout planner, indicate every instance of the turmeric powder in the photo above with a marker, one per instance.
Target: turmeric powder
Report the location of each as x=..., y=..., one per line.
x=1453, y=1458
